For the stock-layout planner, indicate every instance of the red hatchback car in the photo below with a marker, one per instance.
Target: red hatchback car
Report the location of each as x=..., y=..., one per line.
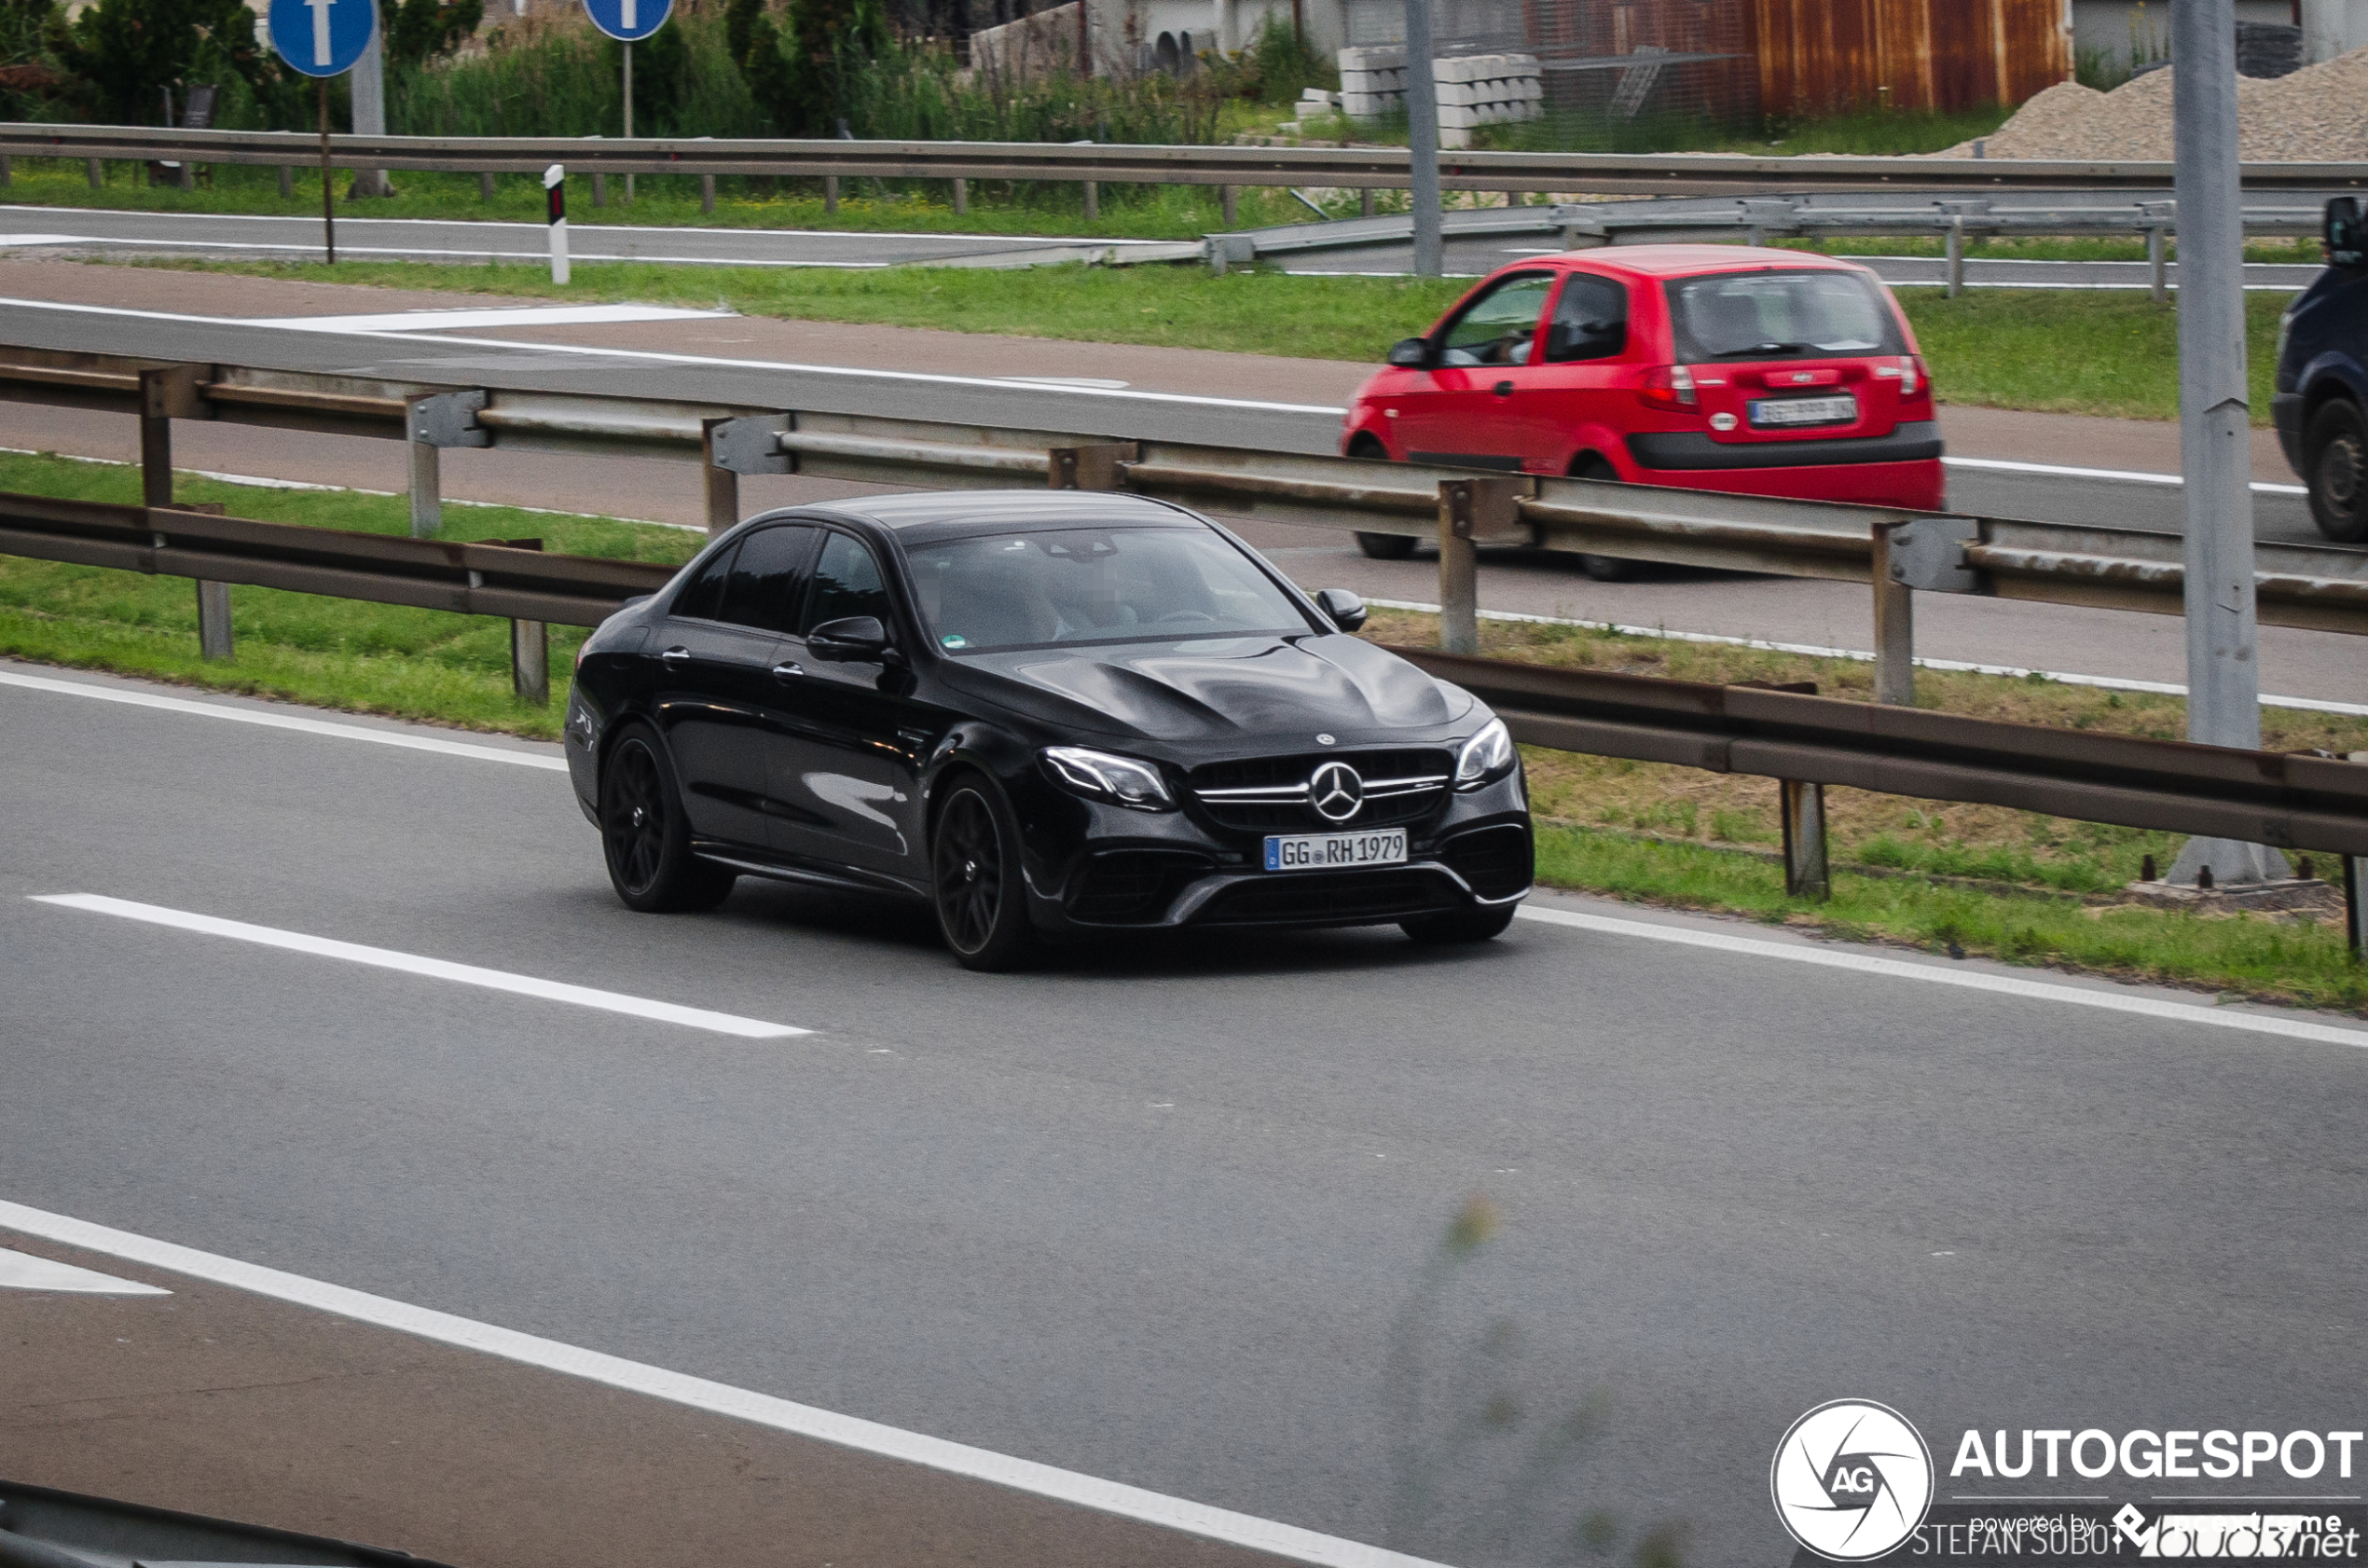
x=1710, y=367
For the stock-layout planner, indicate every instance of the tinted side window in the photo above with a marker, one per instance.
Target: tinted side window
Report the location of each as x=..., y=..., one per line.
x=703, y=594
x=847, y=582
x=768, y=580
x=1497, y=328
x=1590, y=320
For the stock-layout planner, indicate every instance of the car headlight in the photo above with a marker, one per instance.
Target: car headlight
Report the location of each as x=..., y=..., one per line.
x=1098, y=775
x=1486, y=758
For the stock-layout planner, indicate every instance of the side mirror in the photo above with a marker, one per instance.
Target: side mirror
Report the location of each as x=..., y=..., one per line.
x=1411, y=354
x=855, y=639
x=1346, y=609
x=2346, y=234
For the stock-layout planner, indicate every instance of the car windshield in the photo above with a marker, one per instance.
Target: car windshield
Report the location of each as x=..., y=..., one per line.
x=1781, y=315
x=1031, y=590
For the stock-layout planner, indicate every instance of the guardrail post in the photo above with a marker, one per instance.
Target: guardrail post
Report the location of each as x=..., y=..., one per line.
x=1894, y=621
x=961, y=196
x=213, y=621
x=1365, y=202
x=722, y=484
x=1954, y=242
x=165, y=395
x=287, y=181
x=97, y=174
x=1093, y=201
x=1472, y=512
x=1092, y=467
x=431, y=424
x=8, y=171
x=530, y=662
x=829, y=193
x=485, y=186
x=427, y=491
x=1229, y=198
x=707, y=193
x=1803, y=808
x=2158, y=217
x=731, y=447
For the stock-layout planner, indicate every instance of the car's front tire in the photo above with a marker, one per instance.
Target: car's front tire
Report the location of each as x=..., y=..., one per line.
x=1603, y=569
x=2336, y=455
x=645, y=836
x=1462, y=928
x=1379, y=546
x=977, y=889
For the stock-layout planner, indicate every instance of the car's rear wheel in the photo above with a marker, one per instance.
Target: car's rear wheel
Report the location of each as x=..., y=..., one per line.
x=2337, y=447
x=646, y=837
x=974, y=865
x=1463, y=927
x=1379, y=546
x=1603, y=569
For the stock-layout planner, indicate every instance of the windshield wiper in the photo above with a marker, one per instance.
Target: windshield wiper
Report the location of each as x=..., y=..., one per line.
x=1767, y=348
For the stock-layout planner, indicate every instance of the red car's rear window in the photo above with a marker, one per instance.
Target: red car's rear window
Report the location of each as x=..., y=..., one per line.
x=1782, y=315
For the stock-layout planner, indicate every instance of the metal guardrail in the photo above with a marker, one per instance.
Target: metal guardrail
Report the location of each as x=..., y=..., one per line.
x=1898, y=553
x=1353, y=166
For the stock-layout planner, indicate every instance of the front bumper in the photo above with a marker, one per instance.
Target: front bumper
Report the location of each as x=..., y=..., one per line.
x=1137, y=872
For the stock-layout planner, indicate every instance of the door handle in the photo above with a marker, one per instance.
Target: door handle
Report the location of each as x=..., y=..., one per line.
x=1503, y=389
x=787, y=670
x=675, y=658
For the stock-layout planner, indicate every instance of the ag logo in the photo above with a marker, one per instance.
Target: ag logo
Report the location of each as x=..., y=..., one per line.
x=1851, y=1481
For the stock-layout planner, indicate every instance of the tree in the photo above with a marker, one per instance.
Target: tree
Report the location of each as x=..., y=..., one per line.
x=418, y=31
x=123, y=53
x=797, y=70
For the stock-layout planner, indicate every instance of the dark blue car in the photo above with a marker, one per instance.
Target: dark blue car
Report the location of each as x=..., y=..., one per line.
x=2321, y=402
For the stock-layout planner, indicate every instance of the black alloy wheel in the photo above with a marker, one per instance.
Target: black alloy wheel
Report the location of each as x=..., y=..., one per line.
x=1379, y=546
x=647, y=838
x=1603, y=569
x=974, y=866
x=2337, y=450
x=1463, y=927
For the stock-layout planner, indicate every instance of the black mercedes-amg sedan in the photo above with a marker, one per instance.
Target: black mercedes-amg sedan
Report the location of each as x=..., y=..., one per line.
x=1048, y=714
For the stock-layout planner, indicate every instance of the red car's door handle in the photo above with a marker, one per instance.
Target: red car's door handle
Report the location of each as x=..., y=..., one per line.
x=1504, y=388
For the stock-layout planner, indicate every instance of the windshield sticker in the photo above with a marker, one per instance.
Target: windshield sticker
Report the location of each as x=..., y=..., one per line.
x=955, y=640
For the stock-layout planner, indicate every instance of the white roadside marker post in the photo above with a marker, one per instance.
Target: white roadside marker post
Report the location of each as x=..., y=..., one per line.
x=554, y=183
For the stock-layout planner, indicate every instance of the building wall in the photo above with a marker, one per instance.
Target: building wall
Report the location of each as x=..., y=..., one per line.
x=1819, y=57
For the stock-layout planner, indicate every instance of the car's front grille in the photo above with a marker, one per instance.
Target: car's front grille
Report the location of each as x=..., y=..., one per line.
x=1270, y=794
x=1345, y=897
x=1127, y=886
x=1498, y=862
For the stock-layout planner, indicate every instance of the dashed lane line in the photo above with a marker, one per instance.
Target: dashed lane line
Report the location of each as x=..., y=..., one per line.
x=404, y=738
x=762, y=1410
x=432, y=969
x=1970, y=980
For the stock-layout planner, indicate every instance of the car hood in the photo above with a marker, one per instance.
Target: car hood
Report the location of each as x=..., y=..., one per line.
x=1218, y=689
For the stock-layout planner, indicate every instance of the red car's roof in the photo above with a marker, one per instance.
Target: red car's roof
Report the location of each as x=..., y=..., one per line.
x=1677, y=261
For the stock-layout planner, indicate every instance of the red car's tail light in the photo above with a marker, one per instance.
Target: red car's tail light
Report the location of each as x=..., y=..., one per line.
x=1667, y=385
x=1908, y=371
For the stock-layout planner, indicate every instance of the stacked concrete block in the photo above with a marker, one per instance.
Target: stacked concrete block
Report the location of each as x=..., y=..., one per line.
x=1373, y=81
x=1473, y=90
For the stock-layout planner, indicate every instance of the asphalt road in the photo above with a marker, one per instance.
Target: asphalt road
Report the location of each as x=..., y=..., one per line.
x=1152, y=1213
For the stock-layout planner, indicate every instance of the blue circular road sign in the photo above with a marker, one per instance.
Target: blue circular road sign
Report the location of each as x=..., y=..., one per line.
x=631, y=21
x=322, y=38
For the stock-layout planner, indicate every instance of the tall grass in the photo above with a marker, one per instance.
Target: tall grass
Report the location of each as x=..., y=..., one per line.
x=551, y=75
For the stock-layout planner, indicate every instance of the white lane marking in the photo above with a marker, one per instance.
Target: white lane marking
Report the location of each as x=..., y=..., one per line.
x=6, y=240
x=404, y=738
x=21, y=1271
x=2104, y=683
x=716, y=1398
x=516, y=315
x=2122, y=475
x=648, y=356
x=434, y=968
x=1102, y=381
x=1971, y=979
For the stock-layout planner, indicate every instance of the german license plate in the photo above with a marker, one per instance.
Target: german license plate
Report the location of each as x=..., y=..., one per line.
x=1335, y=851
x=1776, y=412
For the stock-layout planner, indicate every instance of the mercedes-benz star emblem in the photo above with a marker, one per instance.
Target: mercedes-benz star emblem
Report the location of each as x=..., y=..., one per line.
x=1336, y=792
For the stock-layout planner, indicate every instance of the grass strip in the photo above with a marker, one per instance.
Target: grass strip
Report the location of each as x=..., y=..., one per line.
x=2068, y=350
x=430, y=665
x=454, y=669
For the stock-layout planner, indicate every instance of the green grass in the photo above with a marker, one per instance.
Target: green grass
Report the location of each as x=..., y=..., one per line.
x=374, y=658
x=2075, y=351
x=1875, y=132
x=2254, y=956
x=1246, y=311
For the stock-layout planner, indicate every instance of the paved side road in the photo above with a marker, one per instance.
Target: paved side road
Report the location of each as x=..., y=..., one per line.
x=1153, y=1214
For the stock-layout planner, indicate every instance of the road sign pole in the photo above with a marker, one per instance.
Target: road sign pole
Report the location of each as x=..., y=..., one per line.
x=1421, y=141
x=2215, y=417
x=628, y=115
x=328, y=197
x=555, y=181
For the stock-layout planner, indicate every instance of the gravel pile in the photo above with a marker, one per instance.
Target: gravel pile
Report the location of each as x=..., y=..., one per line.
x=2318, y=115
